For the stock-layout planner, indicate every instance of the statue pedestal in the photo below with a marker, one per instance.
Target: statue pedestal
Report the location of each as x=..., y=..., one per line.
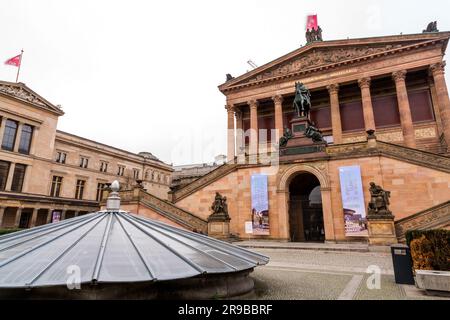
x=219, y=226
x=301, y=146
x=381, y=230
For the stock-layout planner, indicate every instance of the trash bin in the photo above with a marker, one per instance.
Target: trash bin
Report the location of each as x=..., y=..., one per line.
x=403, y=269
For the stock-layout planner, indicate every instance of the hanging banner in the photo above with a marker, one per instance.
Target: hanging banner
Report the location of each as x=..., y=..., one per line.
x=353, y=202
x=260, y=205
x=56, y=216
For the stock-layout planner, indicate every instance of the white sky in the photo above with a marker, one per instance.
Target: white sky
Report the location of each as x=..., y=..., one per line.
x=140, y=75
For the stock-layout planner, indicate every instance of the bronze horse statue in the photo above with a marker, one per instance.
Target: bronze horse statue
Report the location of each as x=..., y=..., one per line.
x=302, y=101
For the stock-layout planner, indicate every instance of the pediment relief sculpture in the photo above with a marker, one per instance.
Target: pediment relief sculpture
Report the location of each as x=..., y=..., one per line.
x=322, y=57
x=20, y=93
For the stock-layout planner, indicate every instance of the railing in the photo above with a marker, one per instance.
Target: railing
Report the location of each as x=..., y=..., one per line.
x=204, y=180
x=165, y=209
x=435, y=217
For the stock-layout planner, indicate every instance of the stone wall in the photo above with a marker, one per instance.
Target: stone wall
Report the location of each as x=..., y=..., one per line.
x=414, y=188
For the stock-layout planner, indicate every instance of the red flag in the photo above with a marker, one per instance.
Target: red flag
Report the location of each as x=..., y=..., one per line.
x=14, y=61
x=311, y=23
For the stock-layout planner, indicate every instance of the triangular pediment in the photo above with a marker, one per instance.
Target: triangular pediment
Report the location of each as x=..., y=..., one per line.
x=326, y=54
x=21, y=92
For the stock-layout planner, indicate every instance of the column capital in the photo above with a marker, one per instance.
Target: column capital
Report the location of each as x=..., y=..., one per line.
x=438, y=68
x=230, y=108
x=253, y=104
x=278, y=99
x=399, y=76
x=364, y=82
x=333, y=88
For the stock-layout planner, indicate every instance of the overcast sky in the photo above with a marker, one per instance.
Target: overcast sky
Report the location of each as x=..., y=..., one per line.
x=142, y=75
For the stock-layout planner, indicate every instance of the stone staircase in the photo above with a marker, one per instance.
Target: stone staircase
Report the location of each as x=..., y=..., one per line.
x=437, y=217
x=165, y=209
x=203, y=181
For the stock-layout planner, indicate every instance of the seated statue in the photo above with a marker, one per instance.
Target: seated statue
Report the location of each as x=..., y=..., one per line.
x=379, y=201
x=220, y=206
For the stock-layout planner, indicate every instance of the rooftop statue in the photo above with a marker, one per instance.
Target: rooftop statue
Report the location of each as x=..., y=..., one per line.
x=314, y=35
x=302, y=100
x=432, y=27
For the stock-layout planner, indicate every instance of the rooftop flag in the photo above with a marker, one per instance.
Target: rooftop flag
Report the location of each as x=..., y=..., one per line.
x=16, y=62
x=312, y=23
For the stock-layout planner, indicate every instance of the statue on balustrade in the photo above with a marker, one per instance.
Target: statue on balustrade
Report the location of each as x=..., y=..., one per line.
x=286, y=137
x=302, y=100
x=379, y=201
x=220, y=206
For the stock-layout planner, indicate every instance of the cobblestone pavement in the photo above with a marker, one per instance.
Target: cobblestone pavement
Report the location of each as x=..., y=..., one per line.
x=322, y=275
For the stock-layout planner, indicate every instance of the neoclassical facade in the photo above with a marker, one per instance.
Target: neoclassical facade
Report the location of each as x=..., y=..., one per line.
x=45, y=171
x=394, y=85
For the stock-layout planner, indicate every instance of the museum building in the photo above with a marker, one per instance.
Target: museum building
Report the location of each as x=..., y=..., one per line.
x=377, y=161
x=382, y=107
x=47, y=175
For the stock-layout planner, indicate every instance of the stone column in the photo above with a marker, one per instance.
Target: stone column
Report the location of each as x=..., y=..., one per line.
x=12, y=167
x=404, y=109
x=34, y=139
x=278, y=101
x=2, y=129
x=443, y=99
x=240, y=142
x=34, y=217
x=17, y=219
x=18, y=135
x=230, y=133
x=76, y=213
x=63, y=214
x=49, y=216
x=369, y=119
x=2, y=213
x=335, y=113
x=254, y=132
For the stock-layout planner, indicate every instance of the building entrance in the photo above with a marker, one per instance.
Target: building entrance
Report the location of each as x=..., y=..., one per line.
x=305, y=209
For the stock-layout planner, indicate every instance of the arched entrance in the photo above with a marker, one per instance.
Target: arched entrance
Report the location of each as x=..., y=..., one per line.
x=306, y=222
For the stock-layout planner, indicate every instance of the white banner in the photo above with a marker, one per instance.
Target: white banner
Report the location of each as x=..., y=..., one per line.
x=354, y=207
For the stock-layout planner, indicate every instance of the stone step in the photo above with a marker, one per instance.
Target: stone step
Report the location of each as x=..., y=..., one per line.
x=350, y=247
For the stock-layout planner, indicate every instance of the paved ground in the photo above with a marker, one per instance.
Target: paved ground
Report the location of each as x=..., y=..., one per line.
x=312, y=275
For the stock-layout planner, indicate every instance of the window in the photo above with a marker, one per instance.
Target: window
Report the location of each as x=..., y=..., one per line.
x=121, y=171
x=56, y=186
x=100, y=188
x=84, y=162
x=18, y=177
x=9, y=137
x=25, y=139
x=79, y=189
x=135, y=173
x=4, y=170
x=103, y=166
x=61, y=157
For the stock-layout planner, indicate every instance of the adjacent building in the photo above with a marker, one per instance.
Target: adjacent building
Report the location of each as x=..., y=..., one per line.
x=48, y=175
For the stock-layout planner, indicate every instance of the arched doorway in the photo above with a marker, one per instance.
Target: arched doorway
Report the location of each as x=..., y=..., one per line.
x=305, y=209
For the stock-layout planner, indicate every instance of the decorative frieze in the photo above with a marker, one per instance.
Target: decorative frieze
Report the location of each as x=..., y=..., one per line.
x=19, y=92
x=322, y=57
x=426, y=133
x=393, y=136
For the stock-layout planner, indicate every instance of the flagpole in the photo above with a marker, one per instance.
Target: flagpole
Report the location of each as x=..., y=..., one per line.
x=18, y=69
